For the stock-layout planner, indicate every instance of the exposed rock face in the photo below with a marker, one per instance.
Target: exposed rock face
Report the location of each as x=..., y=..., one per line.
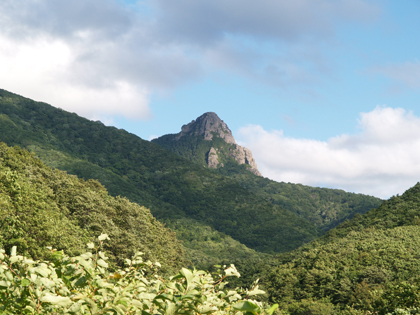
x=205, y=125
x=244, y=156
x=212, y=158
x=210, y=124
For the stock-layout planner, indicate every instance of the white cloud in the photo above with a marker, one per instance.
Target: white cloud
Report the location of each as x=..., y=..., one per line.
x=382, y=160
x=40, y=69
x=101, y=58
x=94, y=58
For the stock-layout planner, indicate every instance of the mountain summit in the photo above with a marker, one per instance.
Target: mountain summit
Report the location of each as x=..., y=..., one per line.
x=206, y=125
x=208, y=140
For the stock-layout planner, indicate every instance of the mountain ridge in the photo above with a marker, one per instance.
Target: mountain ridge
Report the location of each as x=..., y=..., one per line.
x=200, y=142
x=209, y=126
x=176, y=191
x=169, y=185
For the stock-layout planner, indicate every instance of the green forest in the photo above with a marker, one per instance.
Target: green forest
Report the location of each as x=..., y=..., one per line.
x=176, y=191
x=324, y=208
x=111, y=224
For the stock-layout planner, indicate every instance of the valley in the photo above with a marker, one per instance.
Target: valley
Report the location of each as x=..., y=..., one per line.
x=197, y=199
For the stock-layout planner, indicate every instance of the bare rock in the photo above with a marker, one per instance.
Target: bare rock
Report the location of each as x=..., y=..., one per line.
x=205, y=126
x=244, y=156
x=209, y=125
x=212, y=158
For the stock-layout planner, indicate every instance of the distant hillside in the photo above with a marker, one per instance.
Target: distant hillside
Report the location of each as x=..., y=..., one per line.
x=176, y=191
x=209, y=142
x=43, y=207
x=371, y=263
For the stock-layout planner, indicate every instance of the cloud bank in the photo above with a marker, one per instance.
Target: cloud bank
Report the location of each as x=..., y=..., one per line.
x=382, y=160
x=104, y=58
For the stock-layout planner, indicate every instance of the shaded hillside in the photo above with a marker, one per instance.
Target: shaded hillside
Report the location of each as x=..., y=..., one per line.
x=168, y=184
x=208, y=141
x=371, y=263
x=325, y=208
x=43, y=207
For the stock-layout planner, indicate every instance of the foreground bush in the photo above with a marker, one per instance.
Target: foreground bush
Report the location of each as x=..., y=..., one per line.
x=85, y=285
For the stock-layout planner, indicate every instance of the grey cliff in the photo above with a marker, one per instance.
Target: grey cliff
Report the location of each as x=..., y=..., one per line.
x=209, y=124
x=212, y=158
x=205, y=125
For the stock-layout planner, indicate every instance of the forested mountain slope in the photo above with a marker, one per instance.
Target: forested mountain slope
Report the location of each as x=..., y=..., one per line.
x=176, y=191
x=42, y=207
x=370, y=263
x=208, y=141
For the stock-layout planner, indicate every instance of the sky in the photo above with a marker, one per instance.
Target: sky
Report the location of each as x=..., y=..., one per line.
x=324, y=92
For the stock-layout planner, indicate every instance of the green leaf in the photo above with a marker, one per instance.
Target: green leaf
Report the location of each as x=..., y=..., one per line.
x=56, y=300
x=231, y=271
x=75, y=308
x=29, y=308
x=170, y=309
x=255, y=291
x=13, y=251
x=115, y=308
x=147, y=296
x=58, y=254
x=81, y=282
x=188, y=276
x=163, y=296
x=246, y=306
x=9, y=275
x=193, y=292
x=25, y=282
x=206, y=309
x=123, y=302
x=103, y=237
x=188, y=296
x=102, y=263
x=15, y=258
x=272, y=309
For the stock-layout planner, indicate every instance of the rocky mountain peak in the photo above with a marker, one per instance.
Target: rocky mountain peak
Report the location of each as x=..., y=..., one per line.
x=206, y=125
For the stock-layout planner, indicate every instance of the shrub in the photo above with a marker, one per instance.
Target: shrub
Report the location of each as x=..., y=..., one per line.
x=85, y=285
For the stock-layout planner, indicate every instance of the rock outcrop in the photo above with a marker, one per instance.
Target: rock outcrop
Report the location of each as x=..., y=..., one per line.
x=244, y=156
x=209, y=125
x=205, y=126
x=212, y=158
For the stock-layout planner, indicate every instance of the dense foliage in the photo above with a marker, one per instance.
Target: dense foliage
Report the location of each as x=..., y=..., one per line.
x=208, y=247
x=368, y=265
x=171, y=186
x=84, y=285
x=40, y=206
x=325, y=208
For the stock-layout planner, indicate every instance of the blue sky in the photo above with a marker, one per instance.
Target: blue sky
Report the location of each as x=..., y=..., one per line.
x=324, y=92
x=328, y=107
